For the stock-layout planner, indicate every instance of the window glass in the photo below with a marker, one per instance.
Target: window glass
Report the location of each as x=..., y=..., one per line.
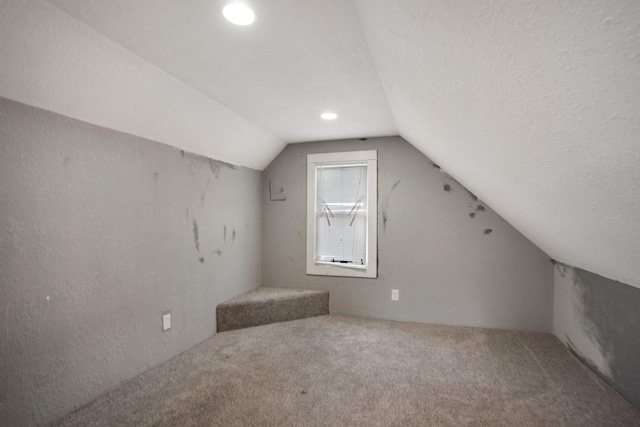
x=342, y=214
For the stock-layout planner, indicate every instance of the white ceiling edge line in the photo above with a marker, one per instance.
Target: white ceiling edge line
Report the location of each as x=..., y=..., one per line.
x=376, y=67
x=59, y=64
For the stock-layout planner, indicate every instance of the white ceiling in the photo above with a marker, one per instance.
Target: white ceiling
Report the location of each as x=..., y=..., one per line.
x=533, y=105
x=297, y=60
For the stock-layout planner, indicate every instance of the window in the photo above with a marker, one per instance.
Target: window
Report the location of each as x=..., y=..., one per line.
x=342, y=214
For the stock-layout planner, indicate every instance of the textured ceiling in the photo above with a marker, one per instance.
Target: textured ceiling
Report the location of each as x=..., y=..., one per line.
x=53, y=61
x=297, y=60
x=533, y=105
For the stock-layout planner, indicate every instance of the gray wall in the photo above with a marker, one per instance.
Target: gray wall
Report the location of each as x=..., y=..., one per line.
x=599, y=320
x=449, y=267
x=100, y=234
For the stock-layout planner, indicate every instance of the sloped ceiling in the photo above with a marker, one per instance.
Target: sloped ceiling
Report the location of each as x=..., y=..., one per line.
x=532, y=105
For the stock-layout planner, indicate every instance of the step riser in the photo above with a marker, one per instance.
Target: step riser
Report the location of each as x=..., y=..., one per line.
x=238, y=316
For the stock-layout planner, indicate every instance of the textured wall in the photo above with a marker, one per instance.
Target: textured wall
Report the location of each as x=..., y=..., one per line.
x=599, y=320
x=452, y=258
x=100, y=234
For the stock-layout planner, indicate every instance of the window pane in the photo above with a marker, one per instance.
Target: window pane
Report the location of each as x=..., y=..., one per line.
x=341, y=208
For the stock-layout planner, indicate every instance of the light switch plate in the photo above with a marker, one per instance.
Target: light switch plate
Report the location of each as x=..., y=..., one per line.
x=395, y=294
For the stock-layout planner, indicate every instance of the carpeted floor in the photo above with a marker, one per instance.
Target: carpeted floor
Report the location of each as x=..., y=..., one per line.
x=334, y=370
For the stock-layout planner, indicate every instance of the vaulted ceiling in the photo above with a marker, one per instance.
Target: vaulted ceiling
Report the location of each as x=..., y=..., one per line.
x=532, y=105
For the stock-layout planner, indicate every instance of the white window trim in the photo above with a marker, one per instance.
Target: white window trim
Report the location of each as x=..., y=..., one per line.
x=330, y=269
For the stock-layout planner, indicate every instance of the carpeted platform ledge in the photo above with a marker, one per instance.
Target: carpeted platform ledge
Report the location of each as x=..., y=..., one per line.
x=266, y=305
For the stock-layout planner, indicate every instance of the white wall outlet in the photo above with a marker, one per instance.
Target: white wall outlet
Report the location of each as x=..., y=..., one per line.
x=395, y=294
x=166, y=321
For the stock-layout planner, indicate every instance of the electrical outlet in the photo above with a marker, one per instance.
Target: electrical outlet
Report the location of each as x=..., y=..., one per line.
x=395, y=294
x=166, y=321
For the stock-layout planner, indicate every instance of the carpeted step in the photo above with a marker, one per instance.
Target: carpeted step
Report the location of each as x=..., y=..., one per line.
x=265, y=305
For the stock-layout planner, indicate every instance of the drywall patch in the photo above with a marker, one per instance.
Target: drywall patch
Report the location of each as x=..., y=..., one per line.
x=226, y=242
x=570, y=322
x=599, y=319
x=196, y=238
x=446, y=186
x=586, y=361
x=581, y=304
x=560, y=268
x=477, y=209
x=216, y=165
x=198, y=161
x=611, y=313
x=385, y=205
x=277, y=190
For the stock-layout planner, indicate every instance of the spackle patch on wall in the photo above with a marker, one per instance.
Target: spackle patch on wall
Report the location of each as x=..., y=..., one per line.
x=574, y=324
x=608, y=314
x=214, y=166
x=385, y=205
x=560, y=268
x=196, y=238
x=226, y=242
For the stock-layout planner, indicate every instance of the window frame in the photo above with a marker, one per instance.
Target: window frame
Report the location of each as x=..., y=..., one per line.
x=343, y=270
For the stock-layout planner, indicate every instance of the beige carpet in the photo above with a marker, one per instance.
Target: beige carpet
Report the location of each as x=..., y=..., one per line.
x=265, y=305
x=333, y=370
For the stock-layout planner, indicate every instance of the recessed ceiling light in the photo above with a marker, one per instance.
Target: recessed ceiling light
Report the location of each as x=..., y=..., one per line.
x=329, y=116
x=238, y=13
